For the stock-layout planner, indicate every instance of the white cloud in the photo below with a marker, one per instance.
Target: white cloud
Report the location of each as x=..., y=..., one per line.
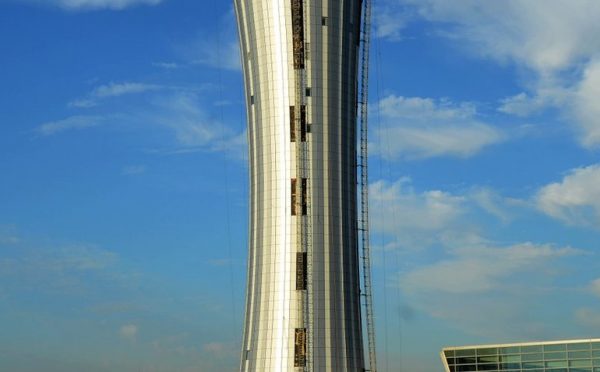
x=218, y=55
x=180, y=111
x=553, y=43
x=192, y=126
x=416, y=128
x=488, y=289
x=8, y=235
x=398, y=206
x=63, y=270
x=413, y=220
x=576, y=199
x=523, y=104
x=219, y=349
x=595, y=287
x=214, y=347
x=133, y=170
x=585, y=106
x=220, y=50
x=493, y=203
x=112, y=90
x=129, y=331
x=70, y=123
x=98, y=4
x=480, y=268
x=389, y=20
x=544, y=38
x=166, y=65
x=588, y=317
x=119, y=89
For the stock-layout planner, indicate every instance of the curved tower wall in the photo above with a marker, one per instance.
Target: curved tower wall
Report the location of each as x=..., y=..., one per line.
x=303, y=298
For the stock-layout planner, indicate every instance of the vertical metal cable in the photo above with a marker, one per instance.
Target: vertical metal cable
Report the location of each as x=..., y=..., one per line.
x=364, y=182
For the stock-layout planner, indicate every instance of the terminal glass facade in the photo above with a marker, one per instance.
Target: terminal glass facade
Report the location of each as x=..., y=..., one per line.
x=556, y=356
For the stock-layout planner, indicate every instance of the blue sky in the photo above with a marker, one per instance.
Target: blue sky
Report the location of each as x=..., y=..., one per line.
x=123, y=180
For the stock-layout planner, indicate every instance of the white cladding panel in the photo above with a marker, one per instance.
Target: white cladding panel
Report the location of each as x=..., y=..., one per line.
x=273, y=305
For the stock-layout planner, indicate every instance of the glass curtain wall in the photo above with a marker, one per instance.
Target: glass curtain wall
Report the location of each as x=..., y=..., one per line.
x=566, y=356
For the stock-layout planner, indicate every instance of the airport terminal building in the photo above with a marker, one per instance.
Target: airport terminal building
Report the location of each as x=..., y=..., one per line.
x=551, y=356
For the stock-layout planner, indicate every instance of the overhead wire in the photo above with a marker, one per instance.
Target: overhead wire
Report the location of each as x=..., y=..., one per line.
x=224, y=133
x=382, y=206
x=364, y=222
x=385, y=133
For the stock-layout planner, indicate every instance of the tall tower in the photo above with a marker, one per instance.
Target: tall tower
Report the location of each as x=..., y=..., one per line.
x=300, y=61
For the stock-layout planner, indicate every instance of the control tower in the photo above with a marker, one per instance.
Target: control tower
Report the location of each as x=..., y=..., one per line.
x=303, y=308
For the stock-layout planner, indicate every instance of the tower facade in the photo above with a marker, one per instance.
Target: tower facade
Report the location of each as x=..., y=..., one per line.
x=300, y=60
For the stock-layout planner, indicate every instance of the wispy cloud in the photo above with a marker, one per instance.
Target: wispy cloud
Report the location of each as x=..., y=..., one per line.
x=555, y=45
x=193, y=127
x=181, y=111
x=588, y=317
x=9, y=235
x=480, y=268
x=575, y=199
x=207, y=51
x=129, y=331
x=219, y=49
x=414, y=219
x=417, y=128
x=94, y=4
x=488, y=289
x=70, y=123
x=166, y=65
x=133, y=170
x=585, y=106
x=389, y=19
x=595, y=287
x=112, y=90
x=59, y=270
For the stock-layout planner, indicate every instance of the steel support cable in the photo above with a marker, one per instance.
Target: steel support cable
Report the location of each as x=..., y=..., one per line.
x=226, y=175
x=364, y=183
x=381, y=174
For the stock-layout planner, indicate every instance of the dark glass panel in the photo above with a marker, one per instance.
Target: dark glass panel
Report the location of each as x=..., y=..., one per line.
x=510, y=350
x=487, y=351
x=487, y=359
x=579, y=346
x=466, y=368
x=487, y=367
x=530, y=365
x=556, y=364
x=579, y=354
x=531, y=349
x=510, y=366
x=465, y=352
x=466, y=360
x=555, y=355
x=292, y=124
x=531, y=357
x=580, y=363
x=510, y=358
x=555, y=347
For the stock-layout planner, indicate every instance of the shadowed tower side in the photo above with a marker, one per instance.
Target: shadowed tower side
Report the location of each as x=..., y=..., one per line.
x=303, y=293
